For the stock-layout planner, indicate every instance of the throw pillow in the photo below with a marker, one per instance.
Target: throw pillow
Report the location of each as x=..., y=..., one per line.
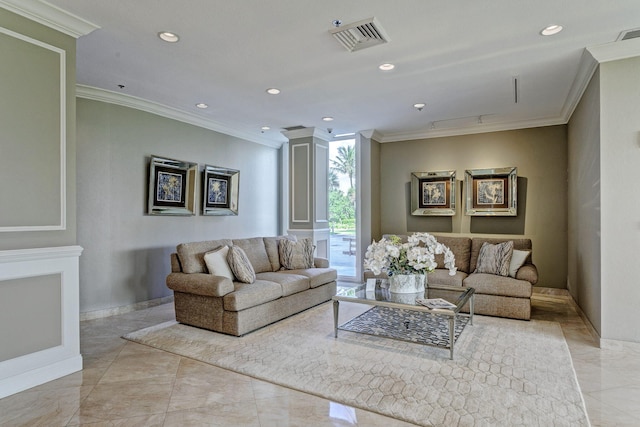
x=240, y=265
x=216, y=261
x=495, y=259
x=296, y=255
x=517, y=259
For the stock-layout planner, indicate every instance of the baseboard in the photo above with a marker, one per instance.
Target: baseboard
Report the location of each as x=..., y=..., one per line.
x=608, y=344
x=33, y=377
x=114, y=311
x=592, y=331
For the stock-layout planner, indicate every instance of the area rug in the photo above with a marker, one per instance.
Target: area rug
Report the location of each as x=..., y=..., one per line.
x=505, y=372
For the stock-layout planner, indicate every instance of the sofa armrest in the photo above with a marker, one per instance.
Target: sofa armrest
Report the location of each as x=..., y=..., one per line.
x=528, y=272
x=200, y=284
x=320, y=263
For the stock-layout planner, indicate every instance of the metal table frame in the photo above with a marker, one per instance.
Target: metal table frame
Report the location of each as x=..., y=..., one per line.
x=466, y=295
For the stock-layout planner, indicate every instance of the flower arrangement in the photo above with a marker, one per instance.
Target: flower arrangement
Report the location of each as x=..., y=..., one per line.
x=417, y=256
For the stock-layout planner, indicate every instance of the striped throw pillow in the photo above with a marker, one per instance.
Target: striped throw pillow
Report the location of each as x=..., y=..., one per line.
x=240, y=265
x=296, y=255
x=495, y=259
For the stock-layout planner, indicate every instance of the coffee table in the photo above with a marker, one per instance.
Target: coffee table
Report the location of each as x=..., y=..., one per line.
x=380, y=296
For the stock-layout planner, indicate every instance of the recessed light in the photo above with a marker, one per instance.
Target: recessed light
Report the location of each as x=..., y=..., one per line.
x=386, y=67
x=168, y=36
x=263, y=128
x=419, y=106
x=551, y=30
x=202, y=105
x=327, y=119
x=273, y=91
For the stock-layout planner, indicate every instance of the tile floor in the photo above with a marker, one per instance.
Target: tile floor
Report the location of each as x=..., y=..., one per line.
x=127, y=384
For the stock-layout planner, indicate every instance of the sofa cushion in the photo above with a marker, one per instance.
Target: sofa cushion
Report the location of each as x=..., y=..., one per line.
x=461, y=248
x=240, y=265
x=495, y=259
x=490, y=284
x=442, y=277
x=317, y=276
x=476, y=244
x=216, y=261
x=256, y=253
x=517, y=259
x=291, y=283
x=250, y=295
x=296, y=255
x=191, y=255
x=271, y=246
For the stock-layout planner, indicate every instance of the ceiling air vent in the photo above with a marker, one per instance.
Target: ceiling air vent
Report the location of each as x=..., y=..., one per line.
x=360, y=35
x=629, y=34
x=290, y=128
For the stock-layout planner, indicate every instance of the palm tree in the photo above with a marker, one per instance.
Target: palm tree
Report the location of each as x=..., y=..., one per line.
x=345, y=162
x=334, y=181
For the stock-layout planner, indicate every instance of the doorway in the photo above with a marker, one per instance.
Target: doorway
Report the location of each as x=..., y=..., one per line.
x=342, y=208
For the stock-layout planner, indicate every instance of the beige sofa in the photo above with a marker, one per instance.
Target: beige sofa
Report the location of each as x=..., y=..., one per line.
x=495, y=295
x=231, y=307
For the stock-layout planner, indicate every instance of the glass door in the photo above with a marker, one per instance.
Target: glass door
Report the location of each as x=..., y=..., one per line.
x=342, y=207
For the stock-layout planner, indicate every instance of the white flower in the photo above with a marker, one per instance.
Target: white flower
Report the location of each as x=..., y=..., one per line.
x=417, y=256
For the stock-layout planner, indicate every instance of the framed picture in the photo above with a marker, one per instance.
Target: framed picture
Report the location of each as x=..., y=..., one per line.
x=220, y=195
x=491, y=192
x=172, y=187
x=433, y=193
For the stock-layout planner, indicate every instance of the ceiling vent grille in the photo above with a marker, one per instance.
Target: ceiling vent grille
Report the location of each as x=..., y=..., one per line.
x=360, y=35
x=298, y=127
x=629, y=34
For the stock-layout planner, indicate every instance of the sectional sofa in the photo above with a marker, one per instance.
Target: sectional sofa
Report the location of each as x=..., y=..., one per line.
x=495, y=295
x=229, y=305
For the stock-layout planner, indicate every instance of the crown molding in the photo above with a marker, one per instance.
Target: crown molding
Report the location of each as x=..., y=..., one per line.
x=616, y=50
x=97, y=94
x=588, y=66
x=310, y=131
x=470, y=130
x=52, y=16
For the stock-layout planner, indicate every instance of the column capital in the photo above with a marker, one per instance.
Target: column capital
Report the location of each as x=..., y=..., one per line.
x=305, y=132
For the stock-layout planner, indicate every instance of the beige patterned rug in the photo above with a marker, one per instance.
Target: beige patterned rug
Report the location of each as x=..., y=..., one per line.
x=505, y=372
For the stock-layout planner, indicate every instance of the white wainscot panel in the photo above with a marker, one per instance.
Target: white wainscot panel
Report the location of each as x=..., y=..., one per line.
x=30, y=370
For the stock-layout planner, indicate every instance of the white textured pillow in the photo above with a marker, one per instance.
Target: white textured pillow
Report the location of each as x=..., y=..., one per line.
x=296, y=255
x=517, y=259
x=495, y=259
x=216, y=261
x=240, y=265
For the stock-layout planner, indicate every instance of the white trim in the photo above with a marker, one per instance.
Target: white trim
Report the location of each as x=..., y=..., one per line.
x=475, y=129
x=51, y=16
x=321, y=217
x=63, y=136
x=588, y=66
x=29, y=370
x=306, y=184
x=97, y=94
x=312, y=131
x=123, y=309
x=615, y=51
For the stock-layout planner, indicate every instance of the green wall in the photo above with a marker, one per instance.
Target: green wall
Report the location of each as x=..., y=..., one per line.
x=540, y=154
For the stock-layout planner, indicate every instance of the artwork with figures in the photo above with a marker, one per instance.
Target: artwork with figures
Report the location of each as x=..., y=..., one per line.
x=433, y=193
x=491, y=192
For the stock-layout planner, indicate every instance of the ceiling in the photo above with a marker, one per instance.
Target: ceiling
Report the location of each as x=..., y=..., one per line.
x=459, y=57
